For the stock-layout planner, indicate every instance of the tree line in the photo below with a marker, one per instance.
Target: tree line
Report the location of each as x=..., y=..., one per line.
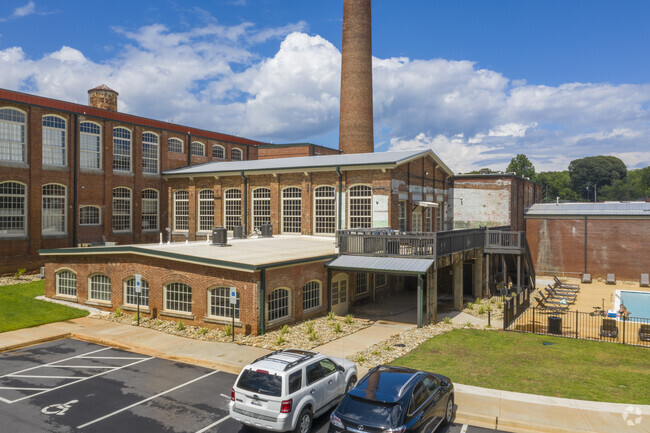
x=594, y=178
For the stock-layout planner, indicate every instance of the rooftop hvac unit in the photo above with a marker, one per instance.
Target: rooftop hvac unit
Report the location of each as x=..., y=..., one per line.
x=237, y=232
x=220, y=237
x=266, y=230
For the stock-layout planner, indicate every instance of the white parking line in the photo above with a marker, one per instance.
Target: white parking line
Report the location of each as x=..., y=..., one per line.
x=213, y=424
x=36, y=376
x=55, y=362
x=146, y=400
x=464, y=429
x=17, y=388
x=111, y=357
x=84, y=366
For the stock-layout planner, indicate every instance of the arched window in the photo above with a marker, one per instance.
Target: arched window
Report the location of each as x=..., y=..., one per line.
x=66, y=283
x=90, y=145
x=121, y=209
x=181, y=210
x=324, y=210
x=206, y=210
x=131, y=296
x=178, y=297
x=149, y=153
x=279, y=306
x=89, y=216
x=311, y=295
x=12, y=135
x=236, y=154
x=198, y=148
x=175, y=145
x=54, y=140
x=292, y=210
x=232, y=208
x=218, y=152
x=149, y=209
x=219, y=303
x=261, y=207
x=54, y=209
x=13, y=208
x=121, y=149
x=99, y=288
x=360, y=207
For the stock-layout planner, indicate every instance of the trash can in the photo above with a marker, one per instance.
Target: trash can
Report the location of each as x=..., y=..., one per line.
x=555, y=325
x=238, y=232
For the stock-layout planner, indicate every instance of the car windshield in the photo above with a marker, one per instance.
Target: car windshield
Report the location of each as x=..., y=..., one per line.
x=365, y=411
x=260, y=382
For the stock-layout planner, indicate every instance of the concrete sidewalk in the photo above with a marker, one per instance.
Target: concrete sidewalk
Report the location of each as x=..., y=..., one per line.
x=508, y=411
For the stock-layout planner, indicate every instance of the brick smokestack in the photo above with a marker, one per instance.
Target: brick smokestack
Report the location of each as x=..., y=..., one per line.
x=355, y=128
x=103, y=97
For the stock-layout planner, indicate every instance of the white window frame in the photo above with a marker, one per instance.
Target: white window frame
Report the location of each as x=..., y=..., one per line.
x=90, y=154
x=147, y=215
x=13, y=134
x=312, y=293
x=12, y=214
x=401, y=215
x=94, y=222
x=261, y=206
x=48, y=227
x=440, y=217
x=238, y=151
x=222, y=295
x=417, y=220
x=129, y=201
x=181, y=210
x=206, y=210
x=428, y=219
x=175, y=140
x=354, y=204
x=48, y=134
x=291, y=223
x=97, y=284
x=119, y=159
x=197, y=148
x=230, y=218
x=177, y=302
x=274, y=305
x=146, y=159
x=323, y=204
x=361, y=276
x=70, y=277
x=131, y=294
x=223, y=151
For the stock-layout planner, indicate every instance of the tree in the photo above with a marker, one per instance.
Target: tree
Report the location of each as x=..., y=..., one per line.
x=522, y=166
x=635, y=186
x=595, y=172
x=556, y=184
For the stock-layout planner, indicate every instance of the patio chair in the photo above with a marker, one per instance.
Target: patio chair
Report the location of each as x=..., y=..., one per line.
x=609, y=329
x=553, y=302
x=554, y=308
x=611, y=279
x=586, y=279
x=570, y=299
x=645, y=280
x=561, y=291
x=644, y=332
x=559, y=283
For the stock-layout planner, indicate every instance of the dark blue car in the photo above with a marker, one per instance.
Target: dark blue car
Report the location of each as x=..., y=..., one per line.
x=395, y=400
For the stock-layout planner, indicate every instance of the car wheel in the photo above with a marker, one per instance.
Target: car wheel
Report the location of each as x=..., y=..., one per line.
x=304, y=422
x=351, y=383
x=449, y=411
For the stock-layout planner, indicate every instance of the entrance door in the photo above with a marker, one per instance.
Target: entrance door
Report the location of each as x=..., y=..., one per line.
x=339, y=294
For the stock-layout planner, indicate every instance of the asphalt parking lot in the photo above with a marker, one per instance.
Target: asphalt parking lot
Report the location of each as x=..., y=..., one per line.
x=75, y=386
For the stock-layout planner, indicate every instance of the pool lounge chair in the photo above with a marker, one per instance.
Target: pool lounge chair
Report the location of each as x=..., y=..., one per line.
x=554, y=301
x=555, y=296
x=560, y=291
x=609, y=329
x=644, y=332
x=559, y=283
x=554, y=308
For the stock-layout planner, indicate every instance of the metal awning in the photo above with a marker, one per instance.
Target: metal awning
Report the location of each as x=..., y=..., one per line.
x=388, y=265
x=426, y=204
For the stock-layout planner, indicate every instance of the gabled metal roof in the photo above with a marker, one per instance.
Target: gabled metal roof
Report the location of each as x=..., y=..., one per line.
x=634, y=208
x=395, y=265
x=306, y=163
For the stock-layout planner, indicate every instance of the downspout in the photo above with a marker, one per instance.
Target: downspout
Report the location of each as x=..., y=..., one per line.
x=338, y=171
x=245, y=204
x=329, y=289
x=247, y=152
x=75, y=181
x=189, y=149
x=262, y=301
x=585, y=244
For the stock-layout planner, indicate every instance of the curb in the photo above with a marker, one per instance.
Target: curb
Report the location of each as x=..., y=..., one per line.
x=34, y=342
x=484, y=421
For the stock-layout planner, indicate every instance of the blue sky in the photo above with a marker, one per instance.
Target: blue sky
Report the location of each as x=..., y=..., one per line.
x=476, y=81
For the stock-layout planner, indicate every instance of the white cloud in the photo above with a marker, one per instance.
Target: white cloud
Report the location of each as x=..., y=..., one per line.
x=22, y=11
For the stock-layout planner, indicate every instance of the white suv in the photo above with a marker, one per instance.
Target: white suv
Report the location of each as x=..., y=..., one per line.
x=286, y=389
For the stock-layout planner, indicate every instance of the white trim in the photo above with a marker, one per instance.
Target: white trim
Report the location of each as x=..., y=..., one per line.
x=202, y=148
x=99, y=215
x=158, y=156
x=25, y=209
x=349, y=198
x=130, y=170
x=26, y=132
x=65, y=210
x=314, y=215
x=164, y=305
x=130, y=209
x=282, y=200
x=65, y=140
x=100, y=143
x=267, y=310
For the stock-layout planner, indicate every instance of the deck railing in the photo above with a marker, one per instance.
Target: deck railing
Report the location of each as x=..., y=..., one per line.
x=504, y=240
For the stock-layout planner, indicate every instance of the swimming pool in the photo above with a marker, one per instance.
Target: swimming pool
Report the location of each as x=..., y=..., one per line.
x=637, y=303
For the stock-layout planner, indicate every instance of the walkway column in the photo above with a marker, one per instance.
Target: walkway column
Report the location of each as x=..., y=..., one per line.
x=432, y=295
x=488, y=268
x=457, y=279
x=420, y=300
x=477, y=275
x=519, y=273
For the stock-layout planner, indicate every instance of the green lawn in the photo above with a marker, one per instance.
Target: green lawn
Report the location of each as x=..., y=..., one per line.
x=579, y=369
x=19, y=309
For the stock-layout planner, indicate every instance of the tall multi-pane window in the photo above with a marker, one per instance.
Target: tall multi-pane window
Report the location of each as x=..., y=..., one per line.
x=198, y=148
x=54, y=137
x=218, y=152
x=121, y=209
x=362, y=283
x=99, y=288
x=261, y=207
x=401, y=215
x=181, y=210
x=66, y=283
x=278, y=304
x=54, y=209
x=90, y=145
x=12, y=135
x=13, y=209
x=175, y=145
x=131, y=296
x=149, y=209
x=206, y=210
x=219, y=303
x=149, y=153
x=427, y=219
x=232, y=208
x=121, y=149
x=236, y=154
x=416, y=221
x=178, y=297
x=292, y=210
x=440, y=217
x=360, y=207
x=380, y=280
x=324, y=210
x=89, y=216
x=311, y=295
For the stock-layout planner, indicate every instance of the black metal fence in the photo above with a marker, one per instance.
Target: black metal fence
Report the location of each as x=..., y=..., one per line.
x=515, y=306
x=576, y=324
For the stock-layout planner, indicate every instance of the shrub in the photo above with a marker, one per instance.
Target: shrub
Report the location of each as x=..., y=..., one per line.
x=488, y=308
x=478, y=301
x=447, y=320
x=470, y=305
x=360, y=358
x=118, y=312
x=493, y=300
x=481, y=310
x=331, y=315
x=158, y=322
x=136, y=317
x=280, y=340
x=180, y=325
x=337, y=327
x=227, y=329
x=19, y=273
x=284, y=330
x=499, y=305
x=387, y=348
x=348, y=319
x=468, y=324
x=313, y=336
x=309, y=327
x=202, y=331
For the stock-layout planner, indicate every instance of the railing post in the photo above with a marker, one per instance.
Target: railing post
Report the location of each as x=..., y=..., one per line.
x=533, y=320
x=624, y=329
x=577, y=322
